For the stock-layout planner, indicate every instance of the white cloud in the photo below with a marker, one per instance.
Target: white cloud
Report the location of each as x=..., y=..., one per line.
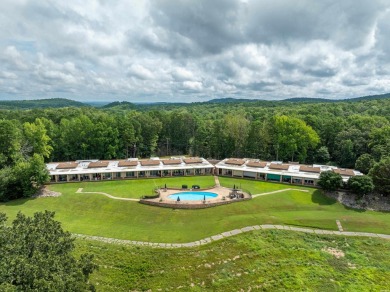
x=193, y=85
x=182, y=74
x=193, y=49
x=140, y=72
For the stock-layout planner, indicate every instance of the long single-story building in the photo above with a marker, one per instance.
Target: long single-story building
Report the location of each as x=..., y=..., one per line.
x=94, y=170
x=278, y=171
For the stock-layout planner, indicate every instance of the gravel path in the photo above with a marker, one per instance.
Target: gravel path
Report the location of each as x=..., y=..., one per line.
x=80, y=191
x=229, y=234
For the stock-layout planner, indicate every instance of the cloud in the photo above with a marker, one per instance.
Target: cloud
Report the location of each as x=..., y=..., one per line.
x=140, y=72
x=193, y=85
x=193, y=49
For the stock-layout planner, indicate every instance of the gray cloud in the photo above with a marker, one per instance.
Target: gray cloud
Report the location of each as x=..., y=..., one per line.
x=193, y=50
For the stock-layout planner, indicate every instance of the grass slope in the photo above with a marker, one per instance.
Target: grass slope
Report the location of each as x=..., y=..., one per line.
x=94, y=214
x=272, y=260
x=138, y=188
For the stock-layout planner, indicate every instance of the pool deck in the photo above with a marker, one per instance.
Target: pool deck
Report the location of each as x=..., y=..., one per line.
x=223, y=195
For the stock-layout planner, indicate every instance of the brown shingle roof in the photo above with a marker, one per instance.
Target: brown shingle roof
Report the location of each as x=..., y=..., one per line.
x=344, y=171
x=171, y=161
x=308, y=168
x=150, y=162
x=213, y=161
x=98, y=164
x=126, y=163
x=192, y=160
x=279, y=166
x=235, y=161
x=67, y=165
x=261, y=164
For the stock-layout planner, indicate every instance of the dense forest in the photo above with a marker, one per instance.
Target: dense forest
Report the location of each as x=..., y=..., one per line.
x=344, y=133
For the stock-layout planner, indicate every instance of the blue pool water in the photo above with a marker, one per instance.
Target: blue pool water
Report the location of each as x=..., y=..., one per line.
x=192, y=196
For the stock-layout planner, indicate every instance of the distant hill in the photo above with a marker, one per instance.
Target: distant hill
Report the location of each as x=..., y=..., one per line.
x=230, y=99
x=125, y=105
x=300, y=99
x=39, y=103
x=96, y=103
x=120, y=105
x=369, y=97
x=309, y=99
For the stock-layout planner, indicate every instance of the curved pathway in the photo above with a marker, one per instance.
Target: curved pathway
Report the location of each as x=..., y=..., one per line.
x=229, y=234
x=279, y=191
x=80, y=191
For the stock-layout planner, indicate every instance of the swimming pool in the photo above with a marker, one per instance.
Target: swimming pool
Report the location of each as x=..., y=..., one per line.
x=192, y=196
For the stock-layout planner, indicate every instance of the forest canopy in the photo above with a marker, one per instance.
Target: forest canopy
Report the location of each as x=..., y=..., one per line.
x=339, y=133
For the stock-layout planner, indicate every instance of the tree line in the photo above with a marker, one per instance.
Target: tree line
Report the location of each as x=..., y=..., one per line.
x=346, y=134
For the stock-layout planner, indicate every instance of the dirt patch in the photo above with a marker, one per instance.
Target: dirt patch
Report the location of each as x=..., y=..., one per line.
x=337, y=253
x=44, y=192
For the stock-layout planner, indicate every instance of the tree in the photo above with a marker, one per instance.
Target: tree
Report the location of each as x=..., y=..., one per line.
x=380, y=142
x=345, y=153
x=380, y=174
x=37, y=138
x=361, y=185
x=36, y=255
x=30, y=175
x=259, y=140
x=150, y=129
x=236, y=128
x=180, y=128
x=10, y=142
x=127, y=138
x=7, y=184
x=322, y=155
x=293, y=137
x=364, y=163
x=330, y=181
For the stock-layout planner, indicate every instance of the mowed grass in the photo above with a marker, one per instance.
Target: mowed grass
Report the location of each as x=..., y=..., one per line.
x=139, y=187
x=257, y=187
x=269, y=260
x=95, y=214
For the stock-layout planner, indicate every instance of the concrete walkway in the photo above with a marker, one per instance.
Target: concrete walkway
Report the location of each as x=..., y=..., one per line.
x=279, y=191
x=339, y=226
x=80, y=191
x=216, y=179
x=229, y=234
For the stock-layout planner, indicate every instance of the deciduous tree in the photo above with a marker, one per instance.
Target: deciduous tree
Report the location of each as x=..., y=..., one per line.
x=36, y=255
x=37, y=138
x=380, y=174
x=293, y=137
x=330, y=181
x=364, y=163
x=361, y=185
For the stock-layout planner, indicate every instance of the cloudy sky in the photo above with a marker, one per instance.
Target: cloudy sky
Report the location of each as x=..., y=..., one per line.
x=193, y=50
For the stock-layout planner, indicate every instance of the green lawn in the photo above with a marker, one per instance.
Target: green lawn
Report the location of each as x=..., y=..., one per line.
x=95, y=214
x=272, y=260
x=257, y=187
x=139, y=187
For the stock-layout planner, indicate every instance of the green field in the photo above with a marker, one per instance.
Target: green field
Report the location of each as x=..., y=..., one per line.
x=272, y=260
x=95, y=214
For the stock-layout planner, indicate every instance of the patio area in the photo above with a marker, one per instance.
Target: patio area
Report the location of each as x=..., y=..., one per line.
x=223, y=196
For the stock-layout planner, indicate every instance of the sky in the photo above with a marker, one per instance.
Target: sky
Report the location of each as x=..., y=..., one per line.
x=193, y=50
